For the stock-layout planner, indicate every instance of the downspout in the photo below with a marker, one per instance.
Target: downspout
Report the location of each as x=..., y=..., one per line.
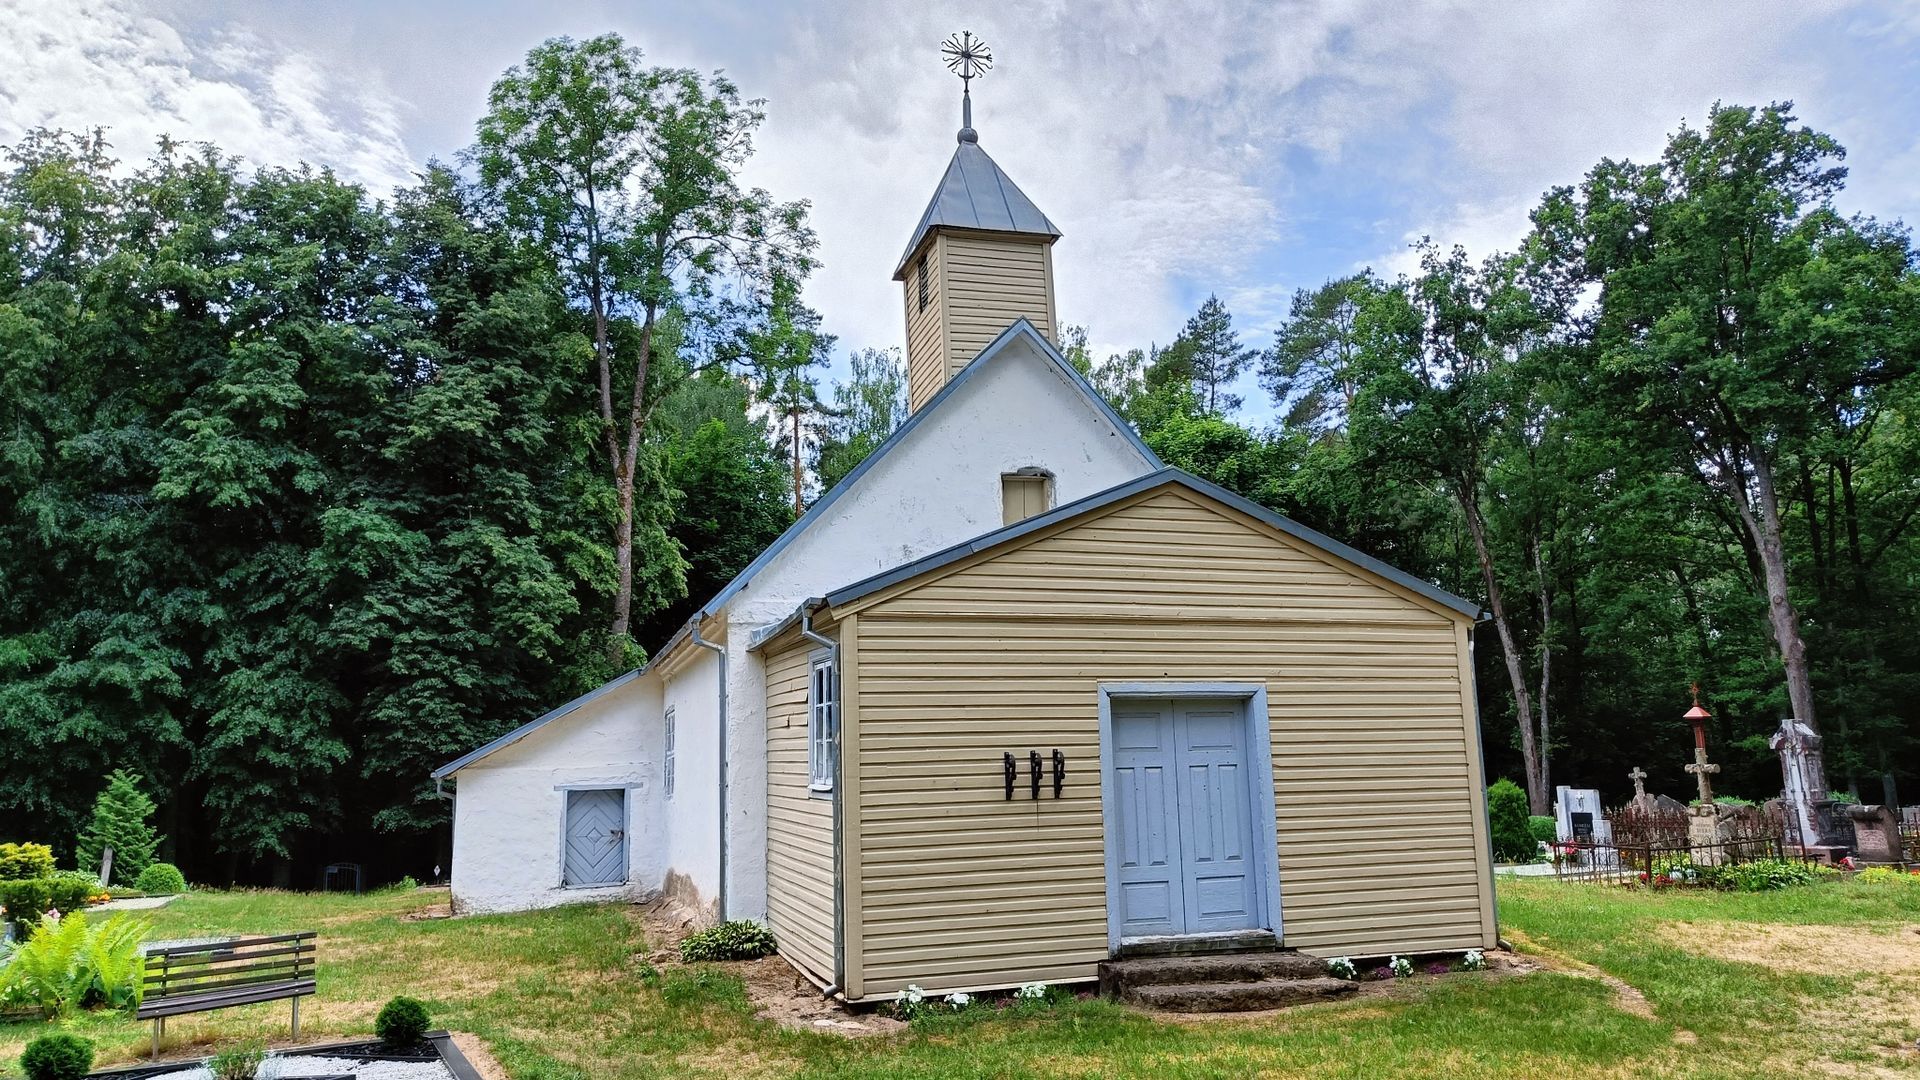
x=720, y=678
x=839, y=887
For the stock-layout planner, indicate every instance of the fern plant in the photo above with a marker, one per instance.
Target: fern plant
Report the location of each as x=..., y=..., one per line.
x=69, y=964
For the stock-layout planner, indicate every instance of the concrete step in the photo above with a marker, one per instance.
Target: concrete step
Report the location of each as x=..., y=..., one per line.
x=1237, y=996
x=1119, y=976
x=1198, y=944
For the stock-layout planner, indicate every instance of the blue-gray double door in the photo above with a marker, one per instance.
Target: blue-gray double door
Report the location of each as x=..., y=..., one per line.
x=1187, y=860
x=595, y=851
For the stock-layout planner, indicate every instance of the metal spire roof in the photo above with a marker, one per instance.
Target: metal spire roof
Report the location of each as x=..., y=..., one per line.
x=976, y=194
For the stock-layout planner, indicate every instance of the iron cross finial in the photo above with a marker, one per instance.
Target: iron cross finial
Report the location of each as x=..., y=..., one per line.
x=968, y=57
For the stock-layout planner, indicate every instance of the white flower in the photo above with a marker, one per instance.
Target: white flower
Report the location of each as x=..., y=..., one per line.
x=1401, y=966
x=1032, y=991
x=1474, y=960
x=1340, y=967
x=913, y=995
x=959, y=1000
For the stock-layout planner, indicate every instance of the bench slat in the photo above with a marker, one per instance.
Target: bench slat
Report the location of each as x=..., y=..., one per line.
x=184, y=962
x=204, y=986
x=231, y=944
x=157, y=973
x=175, y=1006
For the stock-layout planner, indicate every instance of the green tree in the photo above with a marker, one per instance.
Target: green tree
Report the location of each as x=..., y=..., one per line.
x=629, y=178
x=1742, y=325
x=1443, y=397
x=1310, y=372
x=121, y=821
x=1507, y=823
x=1207, y=356
x=867, y=407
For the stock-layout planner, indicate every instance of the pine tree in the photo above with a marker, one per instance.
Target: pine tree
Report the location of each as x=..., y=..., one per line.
x=120, y=822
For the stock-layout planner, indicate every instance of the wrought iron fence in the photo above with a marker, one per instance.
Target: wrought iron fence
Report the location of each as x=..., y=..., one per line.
x=1656, y=847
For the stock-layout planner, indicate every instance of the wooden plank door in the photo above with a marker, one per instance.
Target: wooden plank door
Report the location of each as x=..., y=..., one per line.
x=1146, y=819
x=595, y=852
x=1219, y=862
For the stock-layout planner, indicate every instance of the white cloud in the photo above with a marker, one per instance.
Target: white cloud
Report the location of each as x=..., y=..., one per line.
x=107, y=64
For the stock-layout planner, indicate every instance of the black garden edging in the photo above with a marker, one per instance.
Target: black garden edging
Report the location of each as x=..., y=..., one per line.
x=434, y=1046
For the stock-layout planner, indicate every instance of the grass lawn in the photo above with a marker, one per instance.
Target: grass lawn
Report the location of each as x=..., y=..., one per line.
x=1821, y=979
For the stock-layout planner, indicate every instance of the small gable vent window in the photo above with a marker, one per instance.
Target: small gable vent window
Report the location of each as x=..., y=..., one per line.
x=1024, y=493
x=667, y=762
x=920, y=275
x=823, y=723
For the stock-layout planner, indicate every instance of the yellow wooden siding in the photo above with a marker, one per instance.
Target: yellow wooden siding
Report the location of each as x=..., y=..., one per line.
x=988, y=282
x=1375, y=777
x=926, y=331
x=799, y=826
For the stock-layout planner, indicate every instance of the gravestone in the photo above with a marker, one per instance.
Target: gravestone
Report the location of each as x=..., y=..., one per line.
x=1814, y=821
x=1579, y=816
x=1876, y=834
x=1669, y=805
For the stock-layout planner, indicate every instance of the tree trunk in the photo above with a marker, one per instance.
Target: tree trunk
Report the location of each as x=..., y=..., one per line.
x=1780, y=611
x=1546, y=668
x=1523, y=705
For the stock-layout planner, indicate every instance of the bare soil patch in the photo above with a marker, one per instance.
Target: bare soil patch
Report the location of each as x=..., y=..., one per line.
x=778, y=992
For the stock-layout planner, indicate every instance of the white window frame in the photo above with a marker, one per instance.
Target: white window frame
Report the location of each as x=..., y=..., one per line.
x=823, y=723
x=667, y=759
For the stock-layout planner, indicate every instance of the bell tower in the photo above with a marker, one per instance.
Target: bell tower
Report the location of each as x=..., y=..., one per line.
x=981, y=256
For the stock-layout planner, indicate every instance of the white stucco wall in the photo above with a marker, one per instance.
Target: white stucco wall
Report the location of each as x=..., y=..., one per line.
x=510, y=807
x=692, y=815
x=938, y=487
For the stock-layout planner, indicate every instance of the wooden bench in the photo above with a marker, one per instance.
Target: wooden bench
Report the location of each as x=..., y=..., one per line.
x=212, y=975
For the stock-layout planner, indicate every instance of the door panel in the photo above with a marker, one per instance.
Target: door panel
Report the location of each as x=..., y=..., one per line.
x=1152, y=898
x=1187, y=861
x=1220, y=863
x=596, y=840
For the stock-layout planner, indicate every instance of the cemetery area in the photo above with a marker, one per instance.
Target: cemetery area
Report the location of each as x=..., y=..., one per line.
x=1680, y=983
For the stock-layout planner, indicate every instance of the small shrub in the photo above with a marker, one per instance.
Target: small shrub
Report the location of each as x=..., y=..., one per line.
x=741, y=939
x=161, y=879
x=1763, y=875
x=1341, y=968
x=1543, y=828
x=59, y=1056
x=238, y=1063
x=1474, y=960
x=1400, y=966
x=1886, y=875
x=18, y=862
x=1507, y=822
x=402, y=1021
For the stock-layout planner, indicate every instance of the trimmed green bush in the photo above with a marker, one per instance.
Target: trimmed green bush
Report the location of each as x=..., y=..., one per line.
x=1507, y=822
x=21, y=862
x=741, y=939
x=161, y=879
x=120, y=821
x=26, y=901
x=59, y=1056
x=1543, y=828
x=1763, y=875
x=401, y=1021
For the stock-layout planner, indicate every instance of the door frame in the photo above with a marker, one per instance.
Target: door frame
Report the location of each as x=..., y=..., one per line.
x=565, y=793
x=1253, y=699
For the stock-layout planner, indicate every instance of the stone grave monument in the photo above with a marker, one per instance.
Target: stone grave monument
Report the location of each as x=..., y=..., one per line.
x=1815, y=822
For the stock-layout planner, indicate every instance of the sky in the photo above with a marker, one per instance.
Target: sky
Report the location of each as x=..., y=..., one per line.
x=1240, y=149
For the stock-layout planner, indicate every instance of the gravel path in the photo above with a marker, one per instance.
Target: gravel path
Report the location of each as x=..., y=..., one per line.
x=288, y=1067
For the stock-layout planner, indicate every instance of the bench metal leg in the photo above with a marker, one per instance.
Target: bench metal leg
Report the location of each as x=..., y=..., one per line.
x=296, y=1016
x=159, y=1029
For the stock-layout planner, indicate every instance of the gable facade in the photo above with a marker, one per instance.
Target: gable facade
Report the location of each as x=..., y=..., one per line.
x=1368, y=815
